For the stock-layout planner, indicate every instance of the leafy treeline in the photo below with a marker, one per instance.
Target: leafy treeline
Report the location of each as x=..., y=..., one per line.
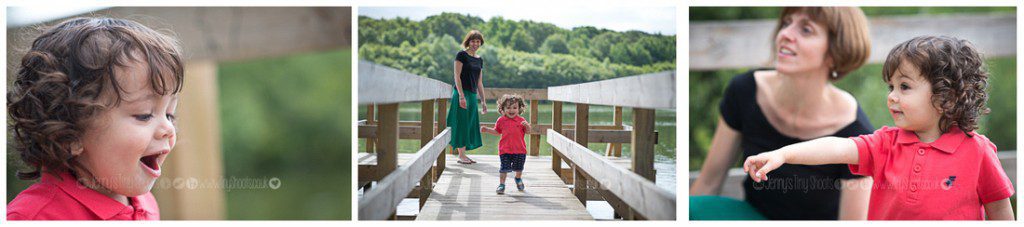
x=517, y=54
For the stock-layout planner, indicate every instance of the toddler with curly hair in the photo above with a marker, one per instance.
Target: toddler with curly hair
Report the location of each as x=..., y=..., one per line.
x=92, y=112
x=932, y=165
x=512, y=147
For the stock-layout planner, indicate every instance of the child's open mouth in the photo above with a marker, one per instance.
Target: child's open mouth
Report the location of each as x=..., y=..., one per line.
x=151, y=163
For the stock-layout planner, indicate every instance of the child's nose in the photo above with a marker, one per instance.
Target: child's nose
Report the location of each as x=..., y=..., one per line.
x=165, y=130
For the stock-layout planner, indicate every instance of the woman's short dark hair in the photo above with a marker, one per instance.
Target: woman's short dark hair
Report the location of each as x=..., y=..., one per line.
x=58, y=87
x=472, y=35
x=849, y=39
x=956, y=71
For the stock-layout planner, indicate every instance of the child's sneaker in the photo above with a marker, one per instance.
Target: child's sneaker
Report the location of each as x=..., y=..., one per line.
x=501, y=189
x=519, y=184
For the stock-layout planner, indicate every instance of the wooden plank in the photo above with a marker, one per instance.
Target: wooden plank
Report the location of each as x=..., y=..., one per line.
x=371, y=119
x=466, y=192
x=594, y=136
x=389, y=192
x=556, y=122
x=653, y=91
x=442, y=123
x=542, y=132
x=582, y=134
x=534, y=138
x=526, y=93
x=615, y=149
x=643, y=143
x=387, y=140
x=579, y=184
x=641, y=194
x=197, y=158
x=380, y=84
x=225, y=33
x=747, y=43
x=426, y=135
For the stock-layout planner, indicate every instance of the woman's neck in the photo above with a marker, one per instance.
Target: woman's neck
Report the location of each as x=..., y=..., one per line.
x=800, y=93
x=471, y=52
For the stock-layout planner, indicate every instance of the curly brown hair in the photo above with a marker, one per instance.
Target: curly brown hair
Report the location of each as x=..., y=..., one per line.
x=511, y=99
x=956, y=71
x=59, y=85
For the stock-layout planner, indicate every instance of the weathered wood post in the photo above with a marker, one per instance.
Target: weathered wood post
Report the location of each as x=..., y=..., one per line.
x=643, y=142
x=556, y=124
x=615, y=149
x=442, y=123
x=534, y=138
x=426, y=134
x=371, y=119
x=582, y=137
x=387, y=143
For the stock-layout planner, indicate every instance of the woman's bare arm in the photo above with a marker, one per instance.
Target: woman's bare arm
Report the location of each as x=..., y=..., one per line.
x=458, y=84
x=722, y=154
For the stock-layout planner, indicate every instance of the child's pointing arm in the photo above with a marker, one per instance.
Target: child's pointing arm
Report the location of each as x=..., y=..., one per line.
x=826, y=150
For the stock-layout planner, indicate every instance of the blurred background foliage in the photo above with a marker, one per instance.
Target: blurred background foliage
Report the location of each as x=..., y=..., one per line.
x=289, y=117
x=517, y=54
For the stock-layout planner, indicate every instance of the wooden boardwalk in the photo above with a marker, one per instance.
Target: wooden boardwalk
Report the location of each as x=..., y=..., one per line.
x=466, y=192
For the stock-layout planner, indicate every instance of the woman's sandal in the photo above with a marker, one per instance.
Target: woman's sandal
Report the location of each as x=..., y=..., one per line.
x=464, y=162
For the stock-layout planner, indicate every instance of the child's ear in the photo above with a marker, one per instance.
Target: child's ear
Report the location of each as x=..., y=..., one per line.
x=77, y=148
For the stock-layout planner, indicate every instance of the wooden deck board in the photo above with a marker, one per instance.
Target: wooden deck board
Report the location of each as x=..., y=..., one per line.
x=466, y=192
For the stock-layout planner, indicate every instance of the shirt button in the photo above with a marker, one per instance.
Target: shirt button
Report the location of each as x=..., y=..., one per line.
x=917, y=168
x=920, y=152
x=913, y=187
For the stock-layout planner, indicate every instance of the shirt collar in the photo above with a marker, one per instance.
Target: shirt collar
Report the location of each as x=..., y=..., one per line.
x=947, y=142
x=103, y=206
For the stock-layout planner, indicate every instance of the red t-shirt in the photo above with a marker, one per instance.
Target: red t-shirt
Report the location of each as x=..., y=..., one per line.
x=512, y=132
x=950, y=178
x=64, y=198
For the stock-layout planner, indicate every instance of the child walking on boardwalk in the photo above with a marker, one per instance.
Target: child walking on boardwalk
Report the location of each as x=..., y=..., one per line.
x=512, y=148
x=932, y=165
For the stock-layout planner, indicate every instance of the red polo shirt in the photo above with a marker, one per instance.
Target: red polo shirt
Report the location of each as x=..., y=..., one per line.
x=64, y=198
x=512, y=132
x=950, y=178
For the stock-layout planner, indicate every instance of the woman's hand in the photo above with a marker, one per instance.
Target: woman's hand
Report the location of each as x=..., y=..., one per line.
x=759, y=165
x=462, y=101
x=484, y=105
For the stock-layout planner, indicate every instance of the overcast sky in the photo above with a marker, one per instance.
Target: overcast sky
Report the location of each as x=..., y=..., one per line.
x=648, y=19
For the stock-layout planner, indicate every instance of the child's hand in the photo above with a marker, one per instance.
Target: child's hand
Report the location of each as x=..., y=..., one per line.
x=483, y=128
x=525, y=124
x=759, y=165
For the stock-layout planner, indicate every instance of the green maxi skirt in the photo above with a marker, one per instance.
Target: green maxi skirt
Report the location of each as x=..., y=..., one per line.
x=465, y=123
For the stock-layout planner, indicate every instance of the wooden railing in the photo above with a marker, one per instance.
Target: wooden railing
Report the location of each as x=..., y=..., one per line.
x=385, y=88
x=390, y=191
x=633, y=195
x=642, y=195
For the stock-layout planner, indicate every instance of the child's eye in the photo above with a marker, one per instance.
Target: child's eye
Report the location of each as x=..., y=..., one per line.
x=904, y=86
x=171, y=117
x=890, y=87
x=143, y=117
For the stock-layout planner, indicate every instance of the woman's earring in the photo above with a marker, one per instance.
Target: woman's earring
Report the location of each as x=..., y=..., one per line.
x=835, y=74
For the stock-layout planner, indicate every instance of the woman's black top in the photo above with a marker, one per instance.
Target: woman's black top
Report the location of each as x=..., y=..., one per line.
x=470, y=74
x=792, y=192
